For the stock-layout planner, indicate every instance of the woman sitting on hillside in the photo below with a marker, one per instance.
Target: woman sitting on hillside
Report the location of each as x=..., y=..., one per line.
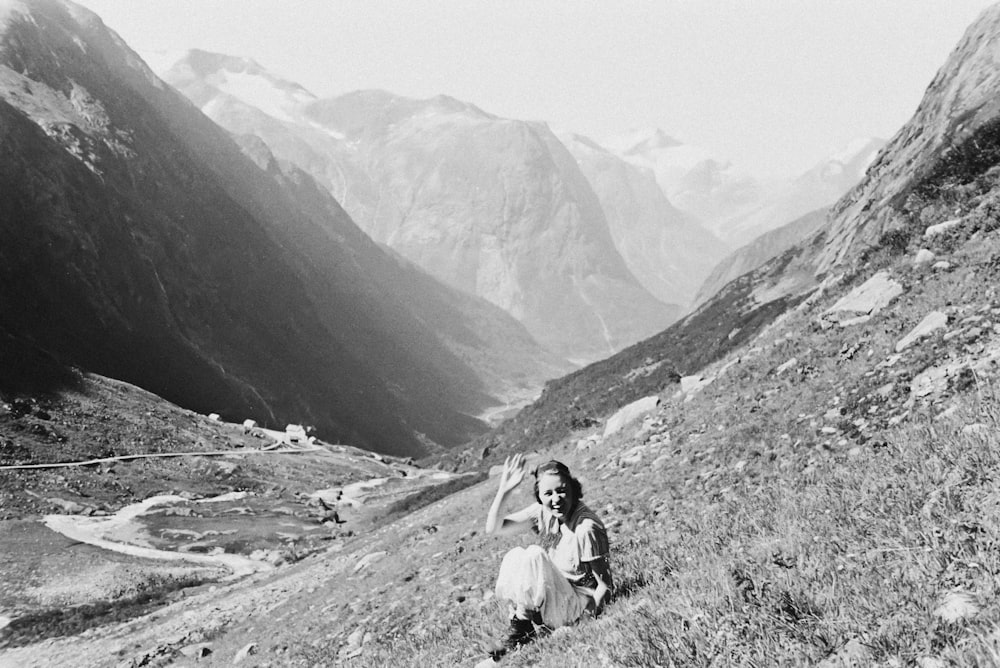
x=552, y=587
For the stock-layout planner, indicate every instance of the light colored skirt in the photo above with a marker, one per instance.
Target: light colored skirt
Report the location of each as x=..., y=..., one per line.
x=529, y=580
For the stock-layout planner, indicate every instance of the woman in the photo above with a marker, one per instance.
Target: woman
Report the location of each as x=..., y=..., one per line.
x=551, y=587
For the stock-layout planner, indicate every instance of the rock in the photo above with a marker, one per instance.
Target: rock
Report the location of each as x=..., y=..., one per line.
x=957, y=606
x=941, y=228
x=786, y=366
x=247, y=650
x=930, y=662
x=865, y=300
x=68, y=507
x=630, y=413
x=976, y=428
x=854, y=653
x=943, y=265
x=196, y=651
x=368, y=560
x=932, y=322
x=214, y=417
x=923, y=256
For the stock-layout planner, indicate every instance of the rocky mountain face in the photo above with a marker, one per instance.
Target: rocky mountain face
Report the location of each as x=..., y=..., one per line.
x=949, y=137
x=667, y=250
x=494, y=207
x=138, y=241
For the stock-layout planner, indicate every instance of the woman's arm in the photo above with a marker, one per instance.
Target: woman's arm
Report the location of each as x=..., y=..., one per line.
x=602, y=573
x=511, y=477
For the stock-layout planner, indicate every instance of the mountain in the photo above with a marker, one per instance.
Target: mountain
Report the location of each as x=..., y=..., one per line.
x=138, y=241
x=819, y=187
x=735, y=205
x=708, y=187
x=950, y=139
x=491, y=206
x=758, y=252
x=667, y=250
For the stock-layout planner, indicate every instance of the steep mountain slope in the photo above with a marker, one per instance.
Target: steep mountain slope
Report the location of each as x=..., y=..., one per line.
x=139, y=242
x=756, y=253
x=950, y=137
x=669, y=252
x=491, y=206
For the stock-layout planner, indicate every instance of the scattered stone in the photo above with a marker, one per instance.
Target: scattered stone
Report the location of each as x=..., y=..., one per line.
x=932, y=322
x=957, y=606
x=630, y=413
x=368, y=560
x=68, y=507
x=854, y=653
x=196, y=651
x=941, y=228
x=865, y=301
x=786, y=366
x=248, y=650
x=923, y=256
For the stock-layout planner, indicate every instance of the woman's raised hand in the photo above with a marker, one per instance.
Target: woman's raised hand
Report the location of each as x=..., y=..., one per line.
x=513, y=472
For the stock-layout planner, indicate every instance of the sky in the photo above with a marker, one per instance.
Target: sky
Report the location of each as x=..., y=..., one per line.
x=773, y=85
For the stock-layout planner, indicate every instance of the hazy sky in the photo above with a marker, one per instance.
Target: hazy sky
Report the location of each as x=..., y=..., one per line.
x=774, y=85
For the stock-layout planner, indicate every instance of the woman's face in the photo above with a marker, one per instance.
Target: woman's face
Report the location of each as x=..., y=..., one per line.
x=556, y=495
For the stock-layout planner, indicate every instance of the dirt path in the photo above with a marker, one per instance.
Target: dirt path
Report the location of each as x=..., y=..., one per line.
x=161, y=455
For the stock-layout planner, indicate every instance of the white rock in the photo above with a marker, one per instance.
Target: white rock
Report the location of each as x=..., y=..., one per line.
x=247, y=650
x=786, y=366
x=942, y=265
x=865, y=300
x=923, y=256
x=368, y=560
x=630, y=413
x=956, y=606
x=941, y=228
x=932, y=322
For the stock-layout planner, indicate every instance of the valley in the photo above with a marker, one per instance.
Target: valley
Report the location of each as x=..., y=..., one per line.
x=781, y=396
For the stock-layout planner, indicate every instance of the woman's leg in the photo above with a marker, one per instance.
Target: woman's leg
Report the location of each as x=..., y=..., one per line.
x=532, y=583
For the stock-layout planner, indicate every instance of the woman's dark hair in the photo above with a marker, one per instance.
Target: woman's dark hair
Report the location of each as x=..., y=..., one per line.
x=560, y=469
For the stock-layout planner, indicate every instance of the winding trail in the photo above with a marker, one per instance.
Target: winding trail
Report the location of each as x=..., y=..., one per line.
x=209, y=453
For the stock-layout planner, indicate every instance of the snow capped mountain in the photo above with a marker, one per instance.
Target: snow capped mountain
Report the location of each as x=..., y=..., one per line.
x=668, y=250
x=712, y=189
x=240, y=79
x=495, y=207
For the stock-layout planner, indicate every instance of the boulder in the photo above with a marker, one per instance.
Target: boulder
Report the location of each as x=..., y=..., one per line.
x=941, y=228
x=630, y=413
x=865, y=300
x=932, y=322
x=248, y=650
x=923, y=256
x=368, y=560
